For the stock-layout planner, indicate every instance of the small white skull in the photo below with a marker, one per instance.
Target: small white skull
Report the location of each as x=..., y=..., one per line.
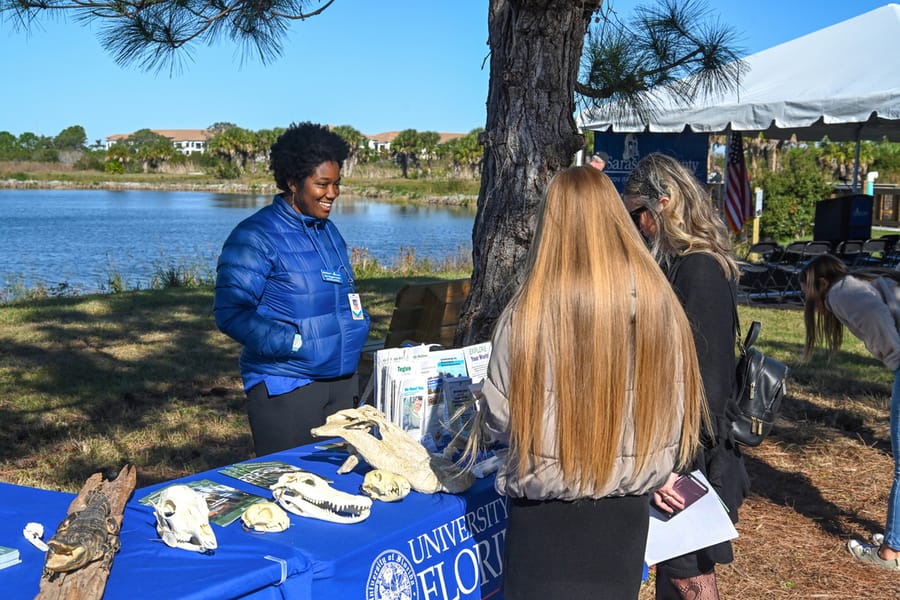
x=182, y=520
x=308, y=495
x=385, y=486
x=265, y=516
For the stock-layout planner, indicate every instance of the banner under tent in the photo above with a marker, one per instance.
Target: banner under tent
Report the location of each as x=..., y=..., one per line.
x=842, y=81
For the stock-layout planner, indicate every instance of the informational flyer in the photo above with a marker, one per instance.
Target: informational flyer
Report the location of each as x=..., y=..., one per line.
x=263, y=473
x=226, y=504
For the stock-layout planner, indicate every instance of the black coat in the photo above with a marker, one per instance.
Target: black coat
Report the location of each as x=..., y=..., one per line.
x=708, y=298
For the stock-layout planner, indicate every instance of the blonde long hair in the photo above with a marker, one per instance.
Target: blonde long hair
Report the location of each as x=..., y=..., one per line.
x=688, y=223
x=595, y=316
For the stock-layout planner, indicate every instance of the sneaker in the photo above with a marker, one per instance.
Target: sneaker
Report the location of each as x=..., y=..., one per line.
x=869, y=554
x=878, y=539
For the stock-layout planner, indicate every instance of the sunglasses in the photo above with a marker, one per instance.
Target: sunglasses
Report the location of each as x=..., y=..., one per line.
x=636, y=215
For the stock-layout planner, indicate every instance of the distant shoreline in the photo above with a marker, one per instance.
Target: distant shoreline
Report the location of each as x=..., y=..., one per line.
x=268, y=189
x=228, y=188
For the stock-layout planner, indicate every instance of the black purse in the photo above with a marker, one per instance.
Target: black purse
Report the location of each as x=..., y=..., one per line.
x=759, y=389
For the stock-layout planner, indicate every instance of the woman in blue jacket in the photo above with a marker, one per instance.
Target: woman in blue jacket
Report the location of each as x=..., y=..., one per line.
x=285, y=291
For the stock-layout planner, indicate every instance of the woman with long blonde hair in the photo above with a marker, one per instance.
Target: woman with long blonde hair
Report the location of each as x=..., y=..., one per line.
x=690, y=242
x=594, y=385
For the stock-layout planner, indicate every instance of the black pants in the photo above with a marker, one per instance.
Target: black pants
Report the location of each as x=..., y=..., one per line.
x=589, y=549
x=282, y=422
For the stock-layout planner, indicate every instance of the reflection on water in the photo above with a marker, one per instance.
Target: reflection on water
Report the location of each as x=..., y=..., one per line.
x=84, y=237
x=239, y=200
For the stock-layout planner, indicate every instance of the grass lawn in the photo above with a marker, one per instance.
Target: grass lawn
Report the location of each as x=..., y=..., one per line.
x=90, y=383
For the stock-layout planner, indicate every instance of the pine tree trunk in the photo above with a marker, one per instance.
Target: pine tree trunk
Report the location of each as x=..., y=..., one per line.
x=530, y=134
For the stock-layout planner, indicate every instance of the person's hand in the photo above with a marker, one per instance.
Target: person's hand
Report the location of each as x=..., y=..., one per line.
x=666, y=498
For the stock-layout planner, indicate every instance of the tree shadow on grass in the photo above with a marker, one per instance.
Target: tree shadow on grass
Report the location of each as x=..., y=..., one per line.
x=796, y=492
x=88, y=372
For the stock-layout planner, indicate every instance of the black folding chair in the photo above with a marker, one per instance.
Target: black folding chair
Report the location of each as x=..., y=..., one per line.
x=787, y=271
x=756, y=280
x=874, y=251
x=850, y=251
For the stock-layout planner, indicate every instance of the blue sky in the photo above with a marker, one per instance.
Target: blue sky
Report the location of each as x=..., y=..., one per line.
x=375, y=65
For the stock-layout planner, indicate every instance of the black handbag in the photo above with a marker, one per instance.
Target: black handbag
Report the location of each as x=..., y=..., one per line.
x=759, y=390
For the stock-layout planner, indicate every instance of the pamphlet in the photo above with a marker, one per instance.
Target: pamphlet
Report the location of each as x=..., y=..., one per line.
x=700, y=525
x=263, y=473
x=477, y=358
x=413, y=394
x=459, y=405
x=9, y=557
x=226, y=504
x=422, y=389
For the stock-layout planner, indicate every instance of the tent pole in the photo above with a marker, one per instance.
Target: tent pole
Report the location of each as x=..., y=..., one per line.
x=856, y=162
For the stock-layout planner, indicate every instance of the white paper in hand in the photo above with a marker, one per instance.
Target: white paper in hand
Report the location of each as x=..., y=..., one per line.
x=702, y=524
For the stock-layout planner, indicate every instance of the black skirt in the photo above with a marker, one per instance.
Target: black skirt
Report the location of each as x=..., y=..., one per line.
x=583, y=549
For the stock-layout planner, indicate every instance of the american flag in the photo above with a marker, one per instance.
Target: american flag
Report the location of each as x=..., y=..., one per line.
x=738, y=202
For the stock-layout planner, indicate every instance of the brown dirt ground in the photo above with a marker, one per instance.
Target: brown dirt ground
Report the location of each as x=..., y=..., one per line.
x=821, y=478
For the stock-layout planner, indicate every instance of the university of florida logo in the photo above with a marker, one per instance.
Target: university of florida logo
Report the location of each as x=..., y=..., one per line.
x=391, y=578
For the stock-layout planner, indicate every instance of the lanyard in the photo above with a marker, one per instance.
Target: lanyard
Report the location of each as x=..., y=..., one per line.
x=329, y=275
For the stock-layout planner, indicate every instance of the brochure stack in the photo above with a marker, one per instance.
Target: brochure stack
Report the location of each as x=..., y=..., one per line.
x=428, y=391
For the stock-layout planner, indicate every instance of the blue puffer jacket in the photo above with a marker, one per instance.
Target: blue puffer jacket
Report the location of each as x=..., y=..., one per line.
x=270, y=286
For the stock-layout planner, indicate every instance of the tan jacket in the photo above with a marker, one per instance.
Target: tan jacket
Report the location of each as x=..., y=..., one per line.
x=544, y=480
x=871, y=311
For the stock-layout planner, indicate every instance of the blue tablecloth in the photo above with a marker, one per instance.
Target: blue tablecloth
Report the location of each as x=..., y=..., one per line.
x=145, y=567
x=432, y=546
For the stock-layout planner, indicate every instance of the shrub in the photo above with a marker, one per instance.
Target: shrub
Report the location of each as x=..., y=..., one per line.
x=790, y=195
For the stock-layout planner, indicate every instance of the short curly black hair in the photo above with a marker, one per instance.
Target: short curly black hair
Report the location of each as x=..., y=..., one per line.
x=301, y=148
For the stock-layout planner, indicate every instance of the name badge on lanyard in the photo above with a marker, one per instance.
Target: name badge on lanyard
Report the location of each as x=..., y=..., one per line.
x=332, y=276
x=355, y=307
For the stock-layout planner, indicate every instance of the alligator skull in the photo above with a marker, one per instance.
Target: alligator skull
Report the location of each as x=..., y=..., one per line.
x=265, y=517
x=182, y=520
x=386, y=446
x=308, y=495
x=385, y=486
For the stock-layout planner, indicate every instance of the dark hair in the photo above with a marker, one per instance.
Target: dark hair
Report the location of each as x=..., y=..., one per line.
x=301, y=148
x=816, y=278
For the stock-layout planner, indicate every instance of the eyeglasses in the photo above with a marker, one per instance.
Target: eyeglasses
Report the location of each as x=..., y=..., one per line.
x=636, y=215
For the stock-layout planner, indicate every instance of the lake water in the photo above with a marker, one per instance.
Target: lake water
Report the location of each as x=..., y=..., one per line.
x=79, y=238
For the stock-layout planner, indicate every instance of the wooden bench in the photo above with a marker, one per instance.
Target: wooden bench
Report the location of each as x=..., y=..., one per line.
x=424, y=313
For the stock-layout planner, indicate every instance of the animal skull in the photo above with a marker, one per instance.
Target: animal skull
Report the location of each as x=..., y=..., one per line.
x=265, y=516
x=182, y=520
x=308, y=495
x=394, y=450
x=385, y=486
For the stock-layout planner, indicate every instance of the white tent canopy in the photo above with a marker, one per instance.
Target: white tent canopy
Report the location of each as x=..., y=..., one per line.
x=842, y=81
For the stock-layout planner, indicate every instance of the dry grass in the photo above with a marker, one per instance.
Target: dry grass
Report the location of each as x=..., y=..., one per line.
x=822, y=477
x=90, y=383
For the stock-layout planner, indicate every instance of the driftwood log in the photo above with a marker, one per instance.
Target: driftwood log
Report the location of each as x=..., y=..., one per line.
x=89, y=581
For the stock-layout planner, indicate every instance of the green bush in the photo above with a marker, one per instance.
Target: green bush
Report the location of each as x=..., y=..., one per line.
x=790, y=195
x=114, y=166
x=91, y=161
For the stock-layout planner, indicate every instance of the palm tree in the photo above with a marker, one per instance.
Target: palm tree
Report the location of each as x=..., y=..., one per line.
x=405, y=148
x=355, y=140
x=236, y=145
